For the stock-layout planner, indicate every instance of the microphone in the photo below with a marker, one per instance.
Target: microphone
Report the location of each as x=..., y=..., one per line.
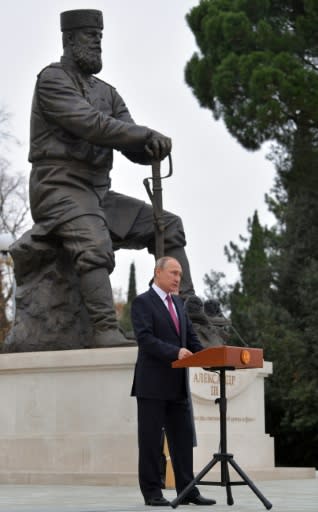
x=237, y=333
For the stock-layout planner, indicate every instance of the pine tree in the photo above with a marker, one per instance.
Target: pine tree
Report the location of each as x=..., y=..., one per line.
x=14, y=210
x=257, y=70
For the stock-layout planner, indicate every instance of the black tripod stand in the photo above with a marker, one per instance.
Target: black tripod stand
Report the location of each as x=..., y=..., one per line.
x=224, y=458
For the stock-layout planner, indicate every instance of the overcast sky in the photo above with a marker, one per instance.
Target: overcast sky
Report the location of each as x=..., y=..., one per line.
x=216, y=183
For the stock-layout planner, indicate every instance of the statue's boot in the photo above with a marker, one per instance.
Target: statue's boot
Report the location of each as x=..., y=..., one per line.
x=112, y=338
x=97, y=295
x=186, y=286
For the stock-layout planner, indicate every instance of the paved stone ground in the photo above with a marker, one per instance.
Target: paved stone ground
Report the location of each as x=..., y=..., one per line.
x=285, y=496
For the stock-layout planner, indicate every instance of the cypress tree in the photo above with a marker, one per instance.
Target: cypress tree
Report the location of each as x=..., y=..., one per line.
x=132, y=291
x=125, y=320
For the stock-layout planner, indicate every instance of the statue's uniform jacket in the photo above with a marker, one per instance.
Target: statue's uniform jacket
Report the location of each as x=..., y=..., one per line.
x=76, y=122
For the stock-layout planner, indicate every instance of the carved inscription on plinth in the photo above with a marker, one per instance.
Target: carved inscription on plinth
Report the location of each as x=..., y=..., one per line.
x=205, y=387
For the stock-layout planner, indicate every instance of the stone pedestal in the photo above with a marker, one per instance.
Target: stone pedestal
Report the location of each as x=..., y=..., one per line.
x=67, y=417
x=246, y=437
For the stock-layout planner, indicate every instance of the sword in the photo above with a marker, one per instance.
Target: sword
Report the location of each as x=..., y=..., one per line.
x=155, y=196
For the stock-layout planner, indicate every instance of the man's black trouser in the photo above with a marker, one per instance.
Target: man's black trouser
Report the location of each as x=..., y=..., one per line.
x=175, y=417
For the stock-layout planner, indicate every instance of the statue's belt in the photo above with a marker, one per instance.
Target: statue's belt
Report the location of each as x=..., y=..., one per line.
x=96, y=176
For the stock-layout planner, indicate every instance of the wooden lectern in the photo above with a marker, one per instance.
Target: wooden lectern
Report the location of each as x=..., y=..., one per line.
x=220, y=359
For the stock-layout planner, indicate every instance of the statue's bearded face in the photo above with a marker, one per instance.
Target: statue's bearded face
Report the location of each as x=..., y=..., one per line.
x=87, y=51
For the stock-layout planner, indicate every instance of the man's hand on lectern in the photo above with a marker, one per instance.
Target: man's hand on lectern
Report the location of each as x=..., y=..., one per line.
x=183, y=353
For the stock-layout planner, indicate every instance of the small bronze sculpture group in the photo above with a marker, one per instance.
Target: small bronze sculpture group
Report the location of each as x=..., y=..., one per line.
x=208, y=321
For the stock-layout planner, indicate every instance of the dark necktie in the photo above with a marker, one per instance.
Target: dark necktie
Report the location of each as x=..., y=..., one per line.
x=173, y=314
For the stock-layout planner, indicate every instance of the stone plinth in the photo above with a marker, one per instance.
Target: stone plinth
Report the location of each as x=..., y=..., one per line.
x=67, y=417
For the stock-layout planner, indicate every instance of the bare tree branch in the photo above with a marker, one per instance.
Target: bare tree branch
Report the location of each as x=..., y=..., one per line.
x=14, y=210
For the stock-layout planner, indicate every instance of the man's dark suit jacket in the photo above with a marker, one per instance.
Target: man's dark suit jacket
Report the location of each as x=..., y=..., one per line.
x=159, y=345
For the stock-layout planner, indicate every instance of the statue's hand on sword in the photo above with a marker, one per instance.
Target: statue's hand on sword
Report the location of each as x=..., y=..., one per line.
x=158, y=146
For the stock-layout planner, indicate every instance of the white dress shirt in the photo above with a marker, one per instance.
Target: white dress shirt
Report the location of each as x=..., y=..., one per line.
x=163, y=295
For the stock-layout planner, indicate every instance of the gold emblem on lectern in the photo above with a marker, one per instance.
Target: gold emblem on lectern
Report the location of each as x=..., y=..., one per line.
x=245, y=356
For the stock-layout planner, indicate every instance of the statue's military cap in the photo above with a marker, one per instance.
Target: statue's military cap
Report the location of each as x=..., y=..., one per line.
x=81, y=18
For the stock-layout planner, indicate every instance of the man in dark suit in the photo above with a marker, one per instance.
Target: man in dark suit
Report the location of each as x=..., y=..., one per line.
x=164, y=333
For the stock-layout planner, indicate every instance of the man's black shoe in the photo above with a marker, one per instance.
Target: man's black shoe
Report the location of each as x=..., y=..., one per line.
x=197, y=500
x=158, y=501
